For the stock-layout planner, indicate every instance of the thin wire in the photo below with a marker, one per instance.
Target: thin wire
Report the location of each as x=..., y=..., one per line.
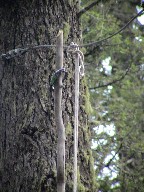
x=14, y=53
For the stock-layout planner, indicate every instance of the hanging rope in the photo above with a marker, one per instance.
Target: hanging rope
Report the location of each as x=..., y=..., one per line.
x=79, y=70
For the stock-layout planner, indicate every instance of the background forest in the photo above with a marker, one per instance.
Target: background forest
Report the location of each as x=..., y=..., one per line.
x=115, y=75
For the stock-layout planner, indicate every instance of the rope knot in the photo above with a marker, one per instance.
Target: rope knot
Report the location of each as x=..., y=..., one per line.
x=74, y=49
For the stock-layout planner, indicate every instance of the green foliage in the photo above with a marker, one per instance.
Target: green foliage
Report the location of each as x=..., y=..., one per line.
x=120, y=104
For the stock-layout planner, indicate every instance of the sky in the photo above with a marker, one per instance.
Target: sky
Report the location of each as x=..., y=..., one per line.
x=140, y=18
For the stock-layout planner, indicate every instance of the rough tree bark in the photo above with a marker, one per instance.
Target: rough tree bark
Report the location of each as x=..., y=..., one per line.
x=28, y=136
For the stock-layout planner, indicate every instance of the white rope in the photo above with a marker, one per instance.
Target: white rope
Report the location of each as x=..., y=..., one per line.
x=74, y=49
x=79, y=70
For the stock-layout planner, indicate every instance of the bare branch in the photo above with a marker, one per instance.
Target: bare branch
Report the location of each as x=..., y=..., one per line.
x=120, y=147
x=108, y=164
x=112, y=82
x=89, y=7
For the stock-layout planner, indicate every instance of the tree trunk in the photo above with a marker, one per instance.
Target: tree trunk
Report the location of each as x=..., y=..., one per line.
x=28, y=135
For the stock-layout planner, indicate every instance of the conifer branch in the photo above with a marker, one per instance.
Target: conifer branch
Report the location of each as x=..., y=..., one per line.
x=114, y=34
